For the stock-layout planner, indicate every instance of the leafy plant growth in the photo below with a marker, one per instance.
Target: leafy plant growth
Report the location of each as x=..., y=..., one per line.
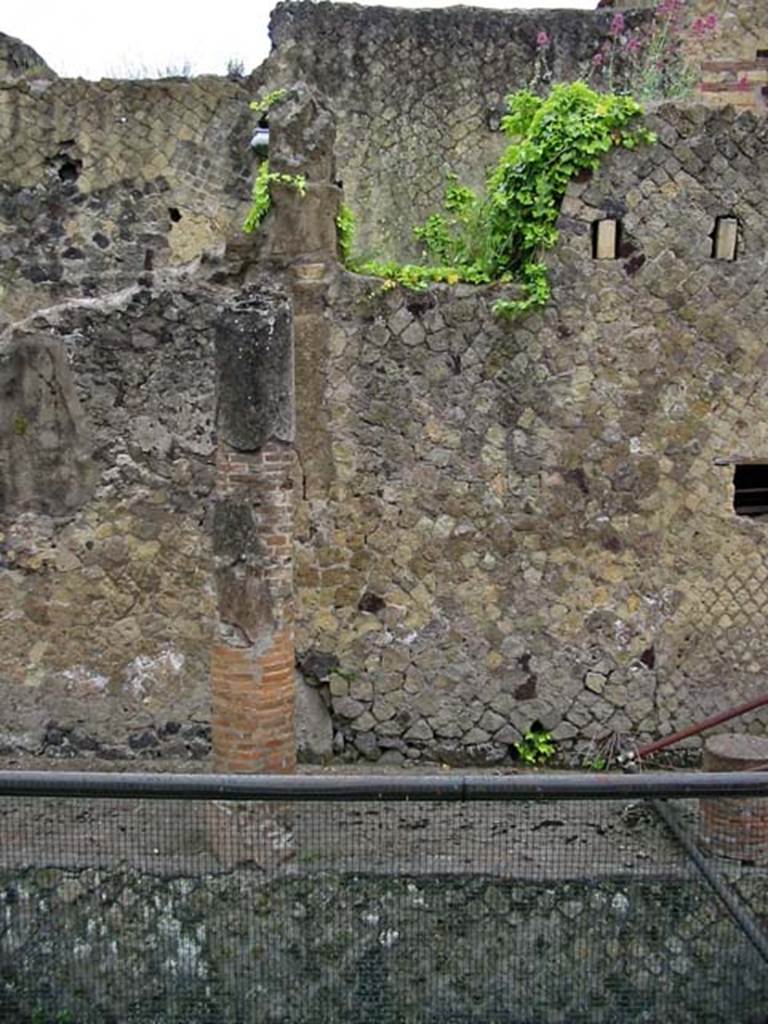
x=536, y=747
x=263, y=105
x=261, y=196
x=498, y=236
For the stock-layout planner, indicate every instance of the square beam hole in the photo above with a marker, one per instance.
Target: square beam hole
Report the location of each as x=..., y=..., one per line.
x=750, y=486
x=725, y=239
x=605, y=239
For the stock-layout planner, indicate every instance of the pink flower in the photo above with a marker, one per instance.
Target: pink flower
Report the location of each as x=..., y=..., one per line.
x=633, y=45
x=617, y=24
x=743, y=84
x=543, y=40
x=669, y=8
x=703, y=26
x=597, y=60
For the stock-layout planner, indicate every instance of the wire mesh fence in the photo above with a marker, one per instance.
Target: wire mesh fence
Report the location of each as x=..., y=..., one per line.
x=522, y=900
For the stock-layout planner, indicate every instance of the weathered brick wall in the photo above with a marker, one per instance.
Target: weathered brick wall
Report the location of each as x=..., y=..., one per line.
x=527, y=522
x=739, y=83
x=743, y=24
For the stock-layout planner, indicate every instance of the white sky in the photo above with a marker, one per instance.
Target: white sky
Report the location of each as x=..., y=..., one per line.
x=95, y=38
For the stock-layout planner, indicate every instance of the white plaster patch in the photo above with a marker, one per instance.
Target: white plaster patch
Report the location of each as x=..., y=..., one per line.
x=79, y=681
x=144, y=672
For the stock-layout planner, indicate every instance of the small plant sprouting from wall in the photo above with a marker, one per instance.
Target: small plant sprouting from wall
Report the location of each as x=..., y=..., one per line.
x=537, y=746
x=261, y=196
x=498, y=236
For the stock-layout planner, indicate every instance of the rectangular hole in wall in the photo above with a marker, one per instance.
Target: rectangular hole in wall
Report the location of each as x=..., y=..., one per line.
x=605, y=239
x=761, y=55
x=725, y=239
x=750, y=485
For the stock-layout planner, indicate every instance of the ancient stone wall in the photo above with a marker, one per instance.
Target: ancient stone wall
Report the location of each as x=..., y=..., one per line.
x=145, y=461
x=495, y=524
x=106, y=460
x=535, y=521
x=733, y=59
x=743, y=24
x=415, y=93
x=101, y=182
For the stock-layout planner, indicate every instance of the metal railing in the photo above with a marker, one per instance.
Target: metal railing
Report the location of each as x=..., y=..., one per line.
x=394, y=899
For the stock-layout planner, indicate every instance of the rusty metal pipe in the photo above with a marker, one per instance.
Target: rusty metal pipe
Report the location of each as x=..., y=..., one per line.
x=708, y=723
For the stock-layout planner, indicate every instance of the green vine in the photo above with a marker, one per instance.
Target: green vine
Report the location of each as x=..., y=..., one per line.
x=498, y=236
x=345, y=228
x=261, y=196
x=263, y=105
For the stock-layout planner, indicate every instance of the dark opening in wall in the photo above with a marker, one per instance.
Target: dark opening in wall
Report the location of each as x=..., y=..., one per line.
x=493, y=119
x=725, y=239
x=260, y=137
x=174, y=213
x=606, y=239
x=69, y=170
x=762, y=55
x=750, y=485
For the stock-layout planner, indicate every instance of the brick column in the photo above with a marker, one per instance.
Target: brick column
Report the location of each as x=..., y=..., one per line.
x=252, y=672
x=736, y=827
x=252, y=661
x=252, y=664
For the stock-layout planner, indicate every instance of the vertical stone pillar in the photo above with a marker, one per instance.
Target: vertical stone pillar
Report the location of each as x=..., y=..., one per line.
x=252, y=663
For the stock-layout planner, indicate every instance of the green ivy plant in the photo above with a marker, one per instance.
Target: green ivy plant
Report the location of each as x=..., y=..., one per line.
x=498, y=236
x=264, y=105
x=261, y=196
x=536, y=747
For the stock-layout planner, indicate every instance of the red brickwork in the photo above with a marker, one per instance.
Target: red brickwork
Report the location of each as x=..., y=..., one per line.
x=742, y=84
x=252, y=685
x=736, y=828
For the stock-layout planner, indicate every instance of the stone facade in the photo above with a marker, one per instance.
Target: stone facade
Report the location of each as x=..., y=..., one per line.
x=467, y=526
x=418, y=94
x=107, y=465
x=535, y=522
x=101, y=182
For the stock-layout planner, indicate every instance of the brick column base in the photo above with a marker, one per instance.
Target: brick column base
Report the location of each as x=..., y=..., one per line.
x=252, y=695
x=736, y=828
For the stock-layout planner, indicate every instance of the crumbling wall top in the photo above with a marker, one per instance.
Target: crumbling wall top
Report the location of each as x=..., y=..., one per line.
x=17, y=59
